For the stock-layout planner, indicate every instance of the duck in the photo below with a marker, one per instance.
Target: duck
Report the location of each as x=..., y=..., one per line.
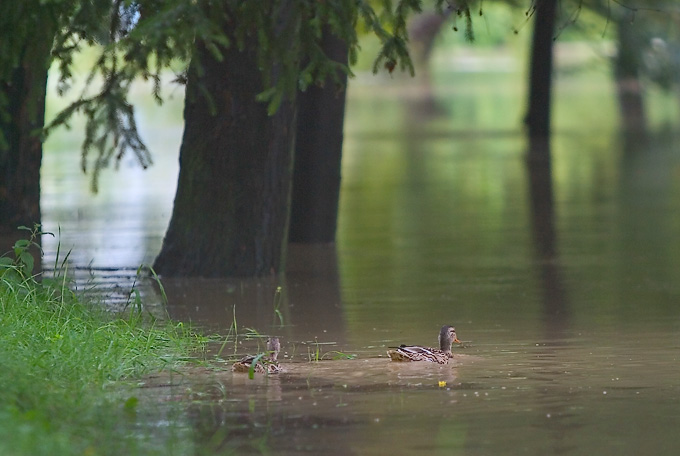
x=447, y=336
x=264, y=364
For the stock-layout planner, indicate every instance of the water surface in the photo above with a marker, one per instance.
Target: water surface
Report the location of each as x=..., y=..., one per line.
x=570, y=318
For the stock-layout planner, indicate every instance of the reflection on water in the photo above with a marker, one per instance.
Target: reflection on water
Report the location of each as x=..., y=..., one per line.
x=574, y=397
x=565, y=290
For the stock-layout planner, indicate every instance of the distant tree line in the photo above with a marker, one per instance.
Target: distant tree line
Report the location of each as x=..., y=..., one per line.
x=264, y=109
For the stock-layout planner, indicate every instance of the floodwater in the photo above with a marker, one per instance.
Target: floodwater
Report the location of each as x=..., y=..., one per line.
x=568, y=307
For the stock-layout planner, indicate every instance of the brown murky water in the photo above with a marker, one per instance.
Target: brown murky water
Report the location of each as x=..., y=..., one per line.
x=571, y=337
x=587, y=393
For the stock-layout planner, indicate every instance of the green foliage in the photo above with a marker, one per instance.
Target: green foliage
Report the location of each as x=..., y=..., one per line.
x=390, y=28
x=316, y=354
x=137, y=40
x=20, y=268
x=336, y=355
x=251, y=369
x=144, y=38
x=460, y=9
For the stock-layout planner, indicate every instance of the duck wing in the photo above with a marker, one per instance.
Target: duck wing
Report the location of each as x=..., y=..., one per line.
x=418, y=353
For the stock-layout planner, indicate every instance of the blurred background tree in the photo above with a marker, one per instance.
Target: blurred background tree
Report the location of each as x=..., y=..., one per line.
x=279, y=47
x=238, y=195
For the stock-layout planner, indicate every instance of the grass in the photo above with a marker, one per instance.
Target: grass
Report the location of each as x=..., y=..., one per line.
x=62, y=361
x=67, y=365
x=316, y=354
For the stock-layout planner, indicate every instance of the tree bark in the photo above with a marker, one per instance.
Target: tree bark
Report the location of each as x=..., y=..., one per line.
x=540, y=75
x=318, y=155
x=21, y=154
x=231, y=211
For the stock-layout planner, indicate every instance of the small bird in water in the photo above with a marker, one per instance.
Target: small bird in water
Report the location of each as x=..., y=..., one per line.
x=265, y=364
x=447, y=336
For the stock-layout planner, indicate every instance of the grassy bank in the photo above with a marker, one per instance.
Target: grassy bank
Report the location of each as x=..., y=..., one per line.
x=61, y=364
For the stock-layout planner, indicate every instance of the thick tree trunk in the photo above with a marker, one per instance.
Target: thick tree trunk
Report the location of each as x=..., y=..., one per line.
x=626, y=71
x=318, y=153
x=231, y=210
x=21, y=153
x=540, y=79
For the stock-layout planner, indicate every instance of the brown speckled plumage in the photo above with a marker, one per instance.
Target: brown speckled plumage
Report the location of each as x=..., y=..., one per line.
x=268, y=365
x=447, y=336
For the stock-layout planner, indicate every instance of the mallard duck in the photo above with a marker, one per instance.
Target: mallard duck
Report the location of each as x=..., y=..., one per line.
x=447, y=336
x=265, y=364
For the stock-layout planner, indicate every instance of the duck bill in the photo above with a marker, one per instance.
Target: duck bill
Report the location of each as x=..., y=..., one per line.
x=457, y=341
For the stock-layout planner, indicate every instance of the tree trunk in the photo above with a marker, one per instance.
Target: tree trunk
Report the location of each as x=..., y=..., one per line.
x=540, y=79
x=538, y=120
x=318, y=153
x=231, y=211
x=21, y=153
x=626, y=71
x=423, y=31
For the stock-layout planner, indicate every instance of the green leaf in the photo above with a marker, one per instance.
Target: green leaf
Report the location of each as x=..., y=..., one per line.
x=251, y=370
x=21, y=246
x=266, y=95
x=275, y=103
x=27, y=260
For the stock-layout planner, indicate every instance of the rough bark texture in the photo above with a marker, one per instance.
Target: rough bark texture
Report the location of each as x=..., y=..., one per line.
x=627, y=74
x=540, y=79
x=20, y=160
x=318, y=154
x=231, y=209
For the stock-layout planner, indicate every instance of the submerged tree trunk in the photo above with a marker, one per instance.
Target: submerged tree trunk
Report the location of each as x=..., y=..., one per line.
x=318, y=154
x=21, y=152
x=539, y=164
x=627, y=74
x=540, y=79
x=231, y=210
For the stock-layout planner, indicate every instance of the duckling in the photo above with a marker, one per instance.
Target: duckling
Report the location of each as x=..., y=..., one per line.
x=268, y=365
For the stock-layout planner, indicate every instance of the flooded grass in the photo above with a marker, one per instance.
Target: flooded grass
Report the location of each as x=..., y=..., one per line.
x=62, y=360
